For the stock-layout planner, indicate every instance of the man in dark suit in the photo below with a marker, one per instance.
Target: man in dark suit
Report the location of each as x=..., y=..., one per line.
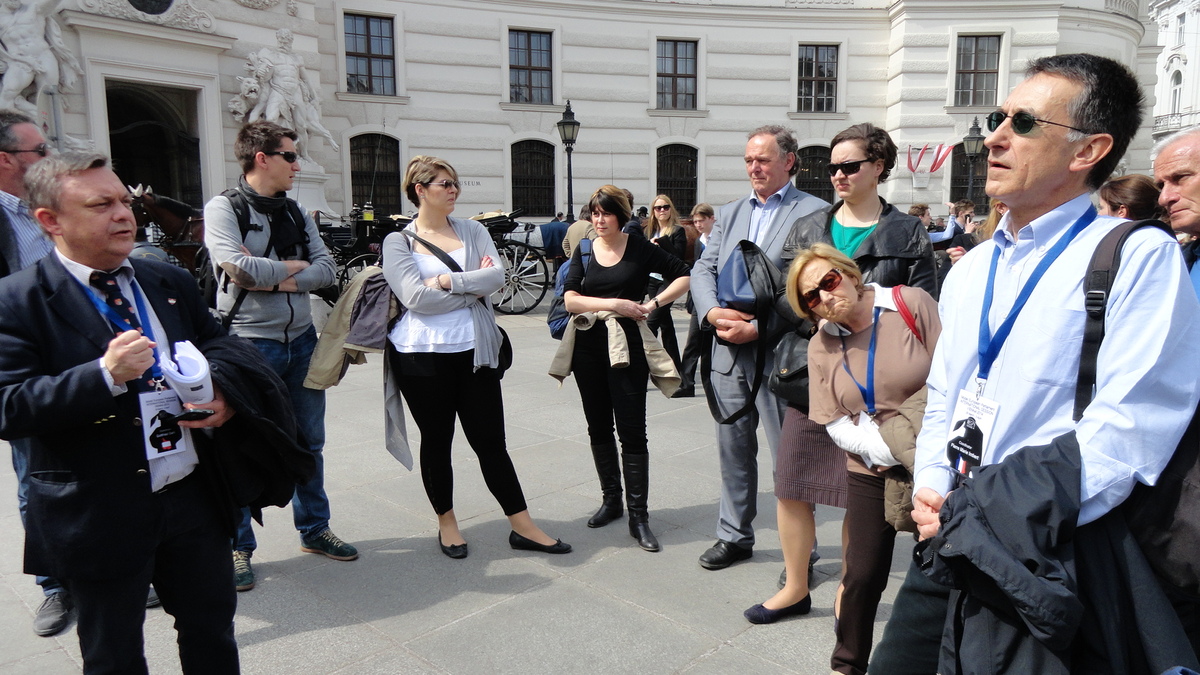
x=107, y=512
x=764, y=217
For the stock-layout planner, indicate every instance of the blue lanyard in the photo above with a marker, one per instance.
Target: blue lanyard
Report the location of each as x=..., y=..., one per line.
x=989, y=345
x=122, y=324
x=868, y=392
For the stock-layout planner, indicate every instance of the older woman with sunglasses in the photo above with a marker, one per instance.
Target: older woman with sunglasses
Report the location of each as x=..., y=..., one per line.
x=445, y=351
x=872, y=350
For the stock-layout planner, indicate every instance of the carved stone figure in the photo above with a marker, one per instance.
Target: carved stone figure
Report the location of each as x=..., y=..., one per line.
x=32, y=53
x=284, y=94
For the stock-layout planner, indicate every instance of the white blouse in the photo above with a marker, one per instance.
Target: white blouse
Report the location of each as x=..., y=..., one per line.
x=447, y=333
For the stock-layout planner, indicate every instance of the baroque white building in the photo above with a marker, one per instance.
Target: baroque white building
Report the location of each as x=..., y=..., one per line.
x=1177, y=93
x=665, y=91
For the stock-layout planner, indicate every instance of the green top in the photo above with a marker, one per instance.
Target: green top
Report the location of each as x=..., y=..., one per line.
x=848, y=239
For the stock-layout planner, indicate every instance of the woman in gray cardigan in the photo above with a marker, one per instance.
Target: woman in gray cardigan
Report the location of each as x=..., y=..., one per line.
x=445, y=350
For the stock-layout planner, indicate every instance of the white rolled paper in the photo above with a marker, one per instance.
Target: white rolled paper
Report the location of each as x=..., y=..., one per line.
x=188, y=373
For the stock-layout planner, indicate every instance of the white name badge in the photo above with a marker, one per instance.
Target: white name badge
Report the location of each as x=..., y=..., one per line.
x=974, y=419
x=162, y=434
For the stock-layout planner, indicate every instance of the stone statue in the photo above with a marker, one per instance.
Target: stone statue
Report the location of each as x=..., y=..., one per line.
x=32, y=53
x=281, y=92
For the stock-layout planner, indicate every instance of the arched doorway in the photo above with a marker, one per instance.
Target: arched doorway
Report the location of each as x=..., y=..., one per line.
x=152, y=135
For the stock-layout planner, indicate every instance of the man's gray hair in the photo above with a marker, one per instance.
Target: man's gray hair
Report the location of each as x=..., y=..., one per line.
x=1170, y=140
x=784, y=139
x=10, y=118
x=43, y=181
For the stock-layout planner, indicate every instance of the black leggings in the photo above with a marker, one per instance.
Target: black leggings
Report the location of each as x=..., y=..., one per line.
x=612, y=395
x=438, y=387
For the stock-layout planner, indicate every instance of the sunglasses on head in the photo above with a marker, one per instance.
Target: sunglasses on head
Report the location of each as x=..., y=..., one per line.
x=446, y=184
x=829, y=282
x=40, y=150
x=1022, y=122
x=287, y=155
x=847, y=168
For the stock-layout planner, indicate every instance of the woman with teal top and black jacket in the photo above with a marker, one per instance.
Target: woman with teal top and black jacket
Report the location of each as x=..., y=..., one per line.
x=889, y=246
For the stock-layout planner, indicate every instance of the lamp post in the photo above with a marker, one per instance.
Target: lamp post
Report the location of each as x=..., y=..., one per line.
x=568, y=131
x=972, y=148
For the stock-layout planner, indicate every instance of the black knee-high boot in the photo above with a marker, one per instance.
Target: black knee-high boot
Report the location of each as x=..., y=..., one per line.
x=637, y=484
x=608, y=468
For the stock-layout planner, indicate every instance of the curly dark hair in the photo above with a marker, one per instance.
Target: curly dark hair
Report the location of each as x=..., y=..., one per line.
x=878, y=143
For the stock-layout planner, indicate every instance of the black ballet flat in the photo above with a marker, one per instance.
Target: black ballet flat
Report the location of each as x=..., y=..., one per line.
x=523, y=544
x=760, y=614
x=456, y=551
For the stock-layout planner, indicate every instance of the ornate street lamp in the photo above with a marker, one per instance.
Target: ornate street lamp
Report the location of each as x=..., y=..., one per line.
x=568, y=131
x=972, y=148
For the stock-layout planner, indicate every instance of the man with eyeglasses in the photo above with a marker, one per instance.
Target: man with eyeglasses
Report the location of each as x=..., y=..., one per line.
x=764, y=217
x=1000, y=443
x=268, y=256
x=22, y=243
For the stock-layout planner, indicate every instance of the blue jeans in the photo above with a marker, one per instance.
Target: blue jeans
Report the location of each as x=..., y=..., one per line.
x=21, y=448
x=310, y=504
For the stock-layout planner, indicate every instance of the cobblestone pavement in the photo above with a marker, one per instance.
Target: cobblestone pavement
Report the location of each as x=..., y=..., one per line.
x=403, y=607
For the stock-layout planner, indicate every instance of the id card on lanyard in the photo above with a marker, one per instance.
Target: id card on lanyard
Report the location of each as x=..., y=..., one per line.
x=974, y=417
x=161, y=434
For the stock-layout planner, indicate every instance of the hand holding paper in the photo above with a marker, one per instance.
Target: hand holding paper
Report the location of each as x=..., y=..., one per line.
x=188, y=373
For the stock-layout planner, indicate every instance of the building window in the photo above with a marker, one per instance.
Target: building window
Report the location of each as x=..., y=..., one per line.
x=677, y=175
x=977, y=74
x=1180, y=29
x=1176, y=91
x=676, y=75
x=813, y=174
x=370, y=55
x=375, y=172
x=533, y=178
x=529, y=67
x=960, y=178
x=817, y=91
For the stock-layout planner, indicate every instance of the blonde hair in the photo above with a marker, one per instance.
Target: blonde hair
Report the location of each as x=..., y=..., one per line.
x=423, y=169
x=819, y=251
x=651, y=224
x=704, y=210
x=988, y=228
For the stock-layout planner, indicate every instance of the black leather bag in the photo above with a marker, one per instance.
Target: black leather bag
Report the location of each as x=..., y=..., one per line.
x=789, y=377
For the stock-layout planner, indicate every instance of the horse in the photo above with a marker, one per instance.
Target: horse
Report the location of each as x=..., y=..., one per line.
x=182, y=226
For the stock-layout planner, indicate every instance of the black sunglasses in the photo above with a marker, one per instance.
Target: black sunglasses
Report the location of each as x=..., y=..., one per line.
x=662, y=207
x=831, y=280
x=847, y=168
x=287, y=155
x=40, y=150
x=446, y=184
x=1022, y=122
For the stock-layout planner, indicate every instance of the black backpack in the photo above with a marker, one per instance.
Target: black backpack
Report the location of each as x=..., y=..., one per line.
x=1165, y=518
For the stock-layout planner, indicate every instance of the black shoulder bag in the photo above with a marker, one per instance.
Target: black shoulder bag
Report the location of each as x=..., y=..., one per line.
x=506, y=349
x=1165, y=518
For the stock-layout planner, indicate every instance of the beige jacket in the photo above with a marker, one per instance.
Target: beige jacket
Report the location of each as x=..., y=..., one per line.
x=900, y=433
x=662, y=370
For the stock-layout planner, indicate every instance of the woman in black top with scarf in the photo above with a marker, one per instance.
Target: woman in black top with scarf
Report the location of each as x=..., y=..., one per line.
x=615, y=281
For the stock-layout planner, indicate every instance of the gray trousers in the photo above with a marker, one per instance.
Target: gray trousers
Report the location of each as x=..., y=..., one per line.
x=737, y=446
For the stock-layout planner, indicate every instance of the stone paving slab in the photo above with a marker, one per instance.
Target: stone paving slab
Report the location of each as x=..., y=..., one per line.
x=607, y=607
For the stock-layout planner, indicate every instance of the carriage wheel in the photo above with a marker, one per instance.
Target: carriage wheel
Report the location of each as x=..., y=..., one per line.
x=352, y=268
x=526, y=277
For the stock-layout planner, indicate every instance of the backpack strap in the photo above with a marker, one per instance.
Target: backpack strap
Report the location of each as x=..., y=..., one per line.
x=906, y=313
x=1097, y=285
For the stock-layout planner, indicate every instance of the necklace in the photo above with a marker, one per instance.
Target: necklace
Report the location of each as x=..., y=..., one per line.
x=846, y=209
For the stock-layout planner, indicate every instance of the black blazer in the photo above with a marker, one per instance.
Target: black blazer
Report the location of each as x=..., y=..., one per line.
x=9, y=255
x=89, y=483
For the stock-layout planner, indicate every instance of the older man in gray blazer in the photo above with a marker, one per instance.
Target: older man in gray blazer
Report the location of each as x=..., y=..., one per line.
x=764, y=217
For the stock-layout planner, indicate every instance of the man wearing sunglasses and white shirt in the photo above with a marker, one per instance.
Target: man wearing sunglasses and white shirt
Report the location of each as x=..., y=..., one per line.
x=1018, y=301
x=264, y=278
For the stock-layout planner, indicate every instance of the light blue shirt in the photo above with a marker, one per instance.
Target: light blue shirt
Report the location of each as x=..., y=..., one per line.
x=761, y=214
x=32, y=242
x=953, y=229
x=1148, y=372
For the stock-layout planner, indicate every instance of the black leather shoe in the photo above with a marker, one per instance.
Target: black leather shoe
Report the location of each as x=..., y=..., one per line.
x=610, y=510
x=522, y=544
x=456, y=551
x=723, y=554
x=760, y=614
x=681, y=392
x=811, y=562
